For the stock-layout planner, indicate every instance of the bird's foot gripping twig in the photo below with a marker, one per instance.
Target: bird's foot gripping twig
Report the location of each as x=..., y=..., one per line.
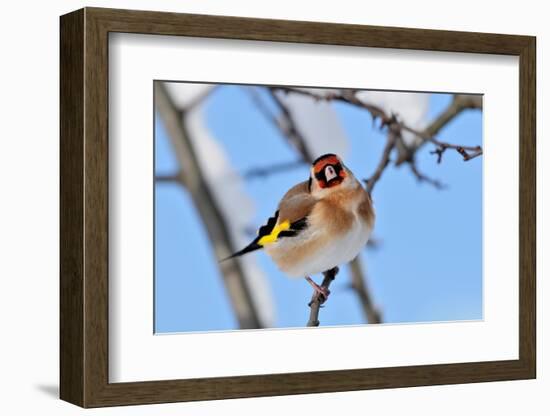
x=320, y=295
x=320, y=292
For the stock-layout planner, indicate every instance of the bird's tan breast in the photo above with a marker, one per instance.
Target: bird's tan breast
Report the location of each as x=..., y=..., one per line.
x=339, y=212
x=330, y=219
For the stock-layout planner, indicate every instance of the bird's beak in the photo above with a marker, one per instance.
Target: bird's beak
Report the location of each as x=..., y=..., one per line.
x=331, y=174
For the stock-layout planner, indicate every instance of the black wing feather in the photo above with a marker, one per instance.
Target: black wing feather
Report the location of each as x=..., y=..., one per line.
x=295, y=228
x=266, y=229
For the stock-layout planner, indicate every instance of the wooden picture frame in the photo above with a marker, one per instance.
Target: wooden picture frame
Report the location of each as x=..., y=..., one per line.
x=84, y=207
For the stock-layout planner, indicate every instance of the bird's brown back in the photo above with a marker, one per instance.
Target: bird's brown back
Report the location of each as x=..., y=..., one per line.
x=296, y=204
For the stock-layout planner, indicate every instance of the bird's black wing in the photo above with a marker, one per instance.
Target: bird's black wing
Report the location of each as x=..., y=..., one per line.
x=263, y=231
x=295, y=228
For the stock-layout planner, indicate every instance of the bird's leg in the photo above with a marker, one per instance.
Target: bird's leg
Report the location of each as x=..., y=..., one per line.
x=322, y=292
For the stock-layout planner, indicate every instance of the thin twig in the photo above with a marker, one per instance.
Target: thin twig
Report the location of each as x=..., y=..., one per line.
x=262, y=172
x=169, y=178
x=346, y=96
x=384, y=161
x=421, y=177
x=467, y=152
x=285, y=122
x=261, y=106
x=317, y=300
x=459, y=103
x=290, y=129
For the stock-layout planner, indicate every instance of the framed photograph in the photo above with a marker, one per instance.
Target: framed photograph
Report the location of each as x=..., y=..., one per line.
x=256, y=207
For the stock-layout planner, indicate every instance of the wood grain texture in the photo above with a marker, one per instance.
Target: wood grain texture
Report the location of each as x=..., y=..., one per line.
x=71, y=208
x=96, y=208
x=84, y=207
x=527, y=208
x=226, y=27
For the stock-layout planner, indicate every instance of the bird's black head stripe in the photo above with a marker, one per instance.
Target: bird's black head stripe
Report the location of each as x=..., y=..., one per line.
x=323, y=156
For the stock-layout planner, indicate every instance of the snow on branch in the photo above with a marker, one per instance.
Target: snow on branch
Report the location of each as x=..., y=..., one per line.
x=223, y=206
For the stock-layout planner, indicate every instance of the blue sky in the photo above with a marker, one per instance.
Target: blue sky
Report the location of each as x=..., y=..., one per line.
x=428, y=266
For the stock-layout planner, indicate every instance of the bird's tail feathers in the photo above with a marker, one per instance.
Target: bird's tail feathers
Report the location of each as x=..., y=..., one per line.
x=258, y=242
x=253, y=246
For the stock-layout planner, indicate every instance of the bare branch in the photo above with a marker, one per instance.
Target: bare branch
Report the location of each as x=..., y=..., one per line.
x=290, y=129
x=460, y=103
x=285, y=123
x=191, y=172
x=467, y=152
x=424, y=178
x=359, y=285
x=262, y=172
x=383, y=164
x=262, y=107
x=317, y=300
x=200, y=98
x=347, y=96
x=170, y=178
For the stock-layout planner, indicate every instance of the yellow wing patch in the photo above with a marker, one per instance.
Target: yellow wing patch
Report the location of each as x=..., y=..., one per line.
x=272, y=237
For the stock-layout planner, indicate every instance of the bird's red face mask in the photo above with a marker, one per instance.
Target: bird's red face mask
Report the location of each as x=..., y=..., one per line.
x=328, y=171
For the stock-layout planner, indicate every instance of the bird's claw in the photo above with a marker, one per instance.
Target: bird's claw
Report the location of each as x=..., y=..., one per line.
x=321, y=292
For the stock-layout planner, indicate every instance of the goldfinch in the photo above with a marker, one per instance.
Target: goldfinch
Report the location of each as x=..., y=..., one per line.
x=319, y=224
